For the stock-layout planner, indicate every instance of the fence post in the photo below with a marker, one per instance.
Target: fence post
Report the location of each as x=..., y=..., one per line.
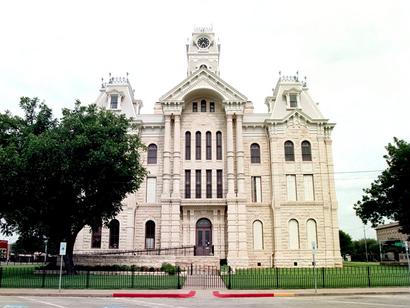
x=323, y=277
x=1, y=275
x=277, y=277
x=368, y=276
x=229, y=277
x=133, y=277
x=87, y=281
x=43, y=279
x=178, y=277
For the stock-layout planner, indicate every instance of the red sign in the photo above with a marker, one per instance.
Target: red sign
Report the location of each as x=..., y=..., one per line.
x=4, y=246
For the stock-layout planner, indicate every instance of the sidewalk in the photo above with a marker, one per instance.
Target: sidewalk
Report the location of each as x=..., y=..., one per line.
x=202, y=293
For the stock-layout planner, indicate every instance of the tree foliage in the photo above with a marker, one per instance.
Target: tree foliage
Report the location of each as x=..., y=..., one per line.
x=57, y=176
x=389, y=195
x=346, y=243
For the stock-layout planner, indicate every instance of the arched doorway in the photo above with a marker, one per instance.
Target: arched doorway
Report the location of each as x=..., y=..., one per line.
x=204, y=237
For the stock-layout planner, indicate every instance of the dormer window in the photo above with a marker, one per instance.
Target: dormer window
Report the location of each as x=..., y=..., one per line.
x=292, y=97
x=114, y=101
x=293, y=100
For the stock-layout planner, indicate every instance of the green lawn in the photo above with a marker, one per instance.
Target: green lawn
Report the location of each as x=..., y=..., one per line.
x=27, y=278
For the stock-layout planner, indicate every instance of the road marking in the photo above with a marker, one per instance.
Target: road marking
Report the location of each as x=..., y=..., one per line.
x=41, y=302
x=149, y=304
x=364, y=303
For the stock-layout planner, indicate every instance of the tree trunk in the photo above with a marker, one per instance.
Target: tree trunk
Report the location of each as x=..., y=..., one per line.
x=68, y=258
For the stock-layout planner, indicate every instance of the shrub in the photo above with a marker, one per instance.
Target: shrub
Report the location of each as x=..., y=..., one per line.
x=168, y=268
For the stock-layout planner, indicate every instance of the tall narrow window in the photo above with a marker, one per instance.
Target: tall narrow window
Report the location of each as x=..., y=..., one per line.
x=209, y=183
x=306, y=151
x=194, y=107
x=149, y=234
x=311, y=229
x=255, y=153
x=256, y=189
x=187, y=184
x=114, y=238
x=198, y=145
x=198, y=183
x=114, y=101
x=218, y=145
x=203, y=106
x=289, y=151
x=96, y=237
x=151, y=190
x=291, y=185
x=308, y=187
x=152, y=154
x=293, y=100
x=188, y=145
x=293, y=227
x=257, y=235
x=208, y=146
x=212, y=107
x=219, y=183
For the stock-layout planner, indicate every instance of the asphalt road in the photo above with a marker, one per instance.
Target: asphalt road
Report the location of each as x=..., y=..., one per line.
x=207, y=301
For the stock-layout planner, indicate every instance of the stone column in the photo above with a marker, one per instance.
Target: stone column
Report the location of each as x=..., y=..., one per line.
x=167, y=152
x=240, y=157
x=177, y=157
x=230, y=156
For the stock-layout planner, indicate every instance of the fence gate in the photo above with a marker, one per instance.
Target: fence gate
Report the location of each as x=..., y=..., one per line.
x=202, y=277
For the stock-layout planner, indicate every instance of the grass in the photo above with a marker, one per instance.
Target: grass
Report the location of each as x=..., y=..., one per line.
x=28, y=278
x=356, y=263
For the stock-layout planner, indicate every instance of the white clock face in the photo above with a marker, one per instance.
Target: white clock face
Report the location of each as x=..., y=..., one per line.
x=203, y=42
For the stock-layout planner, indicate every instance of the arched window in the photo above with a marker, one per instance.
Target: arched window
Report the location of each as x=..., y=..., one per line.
x=188, y=145
x=114, y=227
x=311, y=229
x=218, y=145
x=306, y=151
x=293, y=227
x=255, y=153
x=289, y=151
x=257, y=235
x=149, y=234
x=208, y=146
x=96, y=237
x=198, y=145
x=152, y=154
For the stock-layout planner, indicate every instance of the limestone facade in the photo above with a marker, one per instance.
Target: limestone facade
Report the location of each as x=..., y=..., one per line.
x=248, y=201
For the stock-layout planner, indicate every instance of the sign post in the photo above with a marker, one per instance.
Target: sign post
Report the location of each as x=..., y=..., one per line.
x=63, y=248
x=406, y=245
x=314, y=263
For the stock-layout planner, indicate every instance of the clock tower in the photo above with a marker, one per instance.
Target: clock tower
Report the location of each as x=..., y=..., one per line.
x=203, y=51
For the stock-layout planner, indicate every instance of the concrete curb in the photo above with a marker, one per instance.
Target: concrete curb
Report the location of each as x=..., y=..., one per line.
x=236, y=295
x=156, y=295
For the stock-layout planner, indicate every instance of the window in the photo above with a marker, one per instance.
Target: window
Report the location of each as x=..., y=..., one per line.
x=152, y=154
x=212, y=107
x=198, y=145
x=257, y=235
x=209, y=183
x=151, y=190
x=218, y=145
x=293, y=227
x=311, y=233
x=187, y=184
x=291, y=185
x=198, y=184
x=194, y=107
x=114, y=101
x=219, y=183
x=149, y=234
x=293, y=100
x=203, y=106
x=96, y=237
x=188, y=145
x=306, y=151
x=208, y=146
x=289, y=151
x=255, y=153
x=309, y=187
x=114, y=238
x=256, y=189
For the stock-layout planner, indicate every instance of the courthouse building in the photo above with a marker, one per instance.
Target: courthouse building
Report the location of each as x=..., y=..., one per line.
x=255, y=189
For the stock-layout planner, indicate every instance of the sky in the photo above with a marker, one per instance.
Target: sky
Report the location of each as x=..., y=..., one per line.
x=355, y=54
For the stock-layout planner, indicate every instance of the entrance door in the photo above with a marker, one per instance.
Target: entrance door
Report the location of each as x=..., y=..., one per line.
x=203, y=237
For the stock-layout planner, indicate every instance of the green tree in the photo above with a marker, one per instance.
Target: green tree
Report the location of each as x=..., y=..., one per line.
x=28, y=244
x=359, y=250
x=389, y=195
x=346, y=244
x=57, y=176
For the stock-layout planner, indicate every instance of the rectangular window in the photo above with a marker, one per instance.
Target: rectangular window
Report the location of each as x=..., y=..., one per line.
x=293, y=100
x=114, y=101
x=309, y=187
x=219, y=146
x=291, y=185
x=212, y=107
x=209, y=183
x=219, y=183
x=187, y=184
x=208, y=146
x=203, y=106
x=198, y=145
x=198, y=183
x=151, y=190
x=194, y=107
x=256, y=187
